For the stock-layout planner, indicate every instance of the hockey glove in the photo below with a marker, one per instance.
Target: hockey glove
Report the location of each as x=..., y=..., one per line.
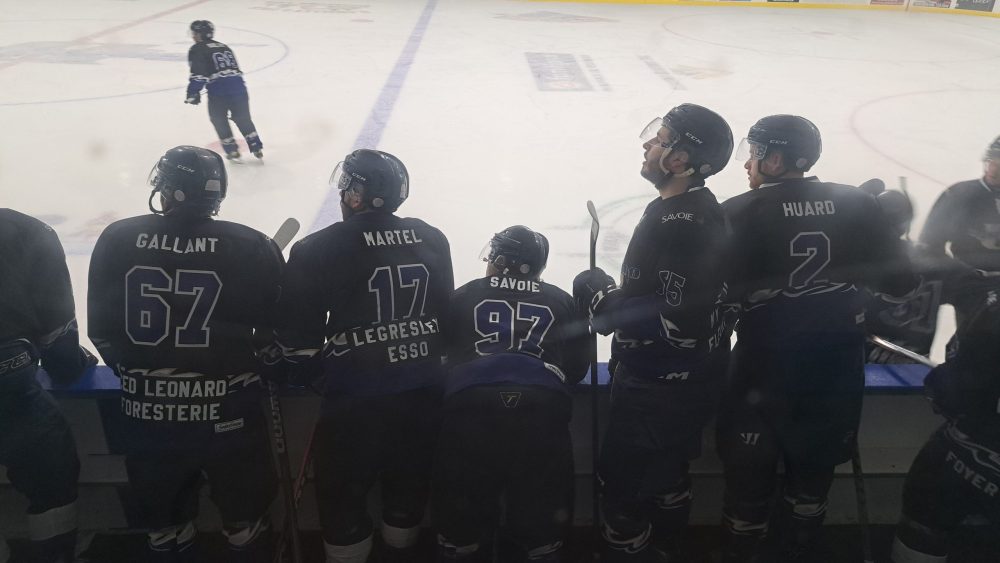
x=590, y=287
x=942, y=387
x=193, y=100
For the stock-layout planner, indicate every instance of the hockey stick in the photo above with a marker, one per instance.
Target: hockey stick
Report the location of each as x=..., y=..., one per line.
x=595, y=227
x=883, y=343
x=286, y=232
x=859, y=491
x=300, y=484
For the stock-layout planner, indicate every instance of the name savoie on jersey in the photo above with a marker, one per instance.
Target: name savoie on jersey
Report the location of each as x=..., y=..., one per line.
x=515, y=284
x=177, y=245
x=392, y=237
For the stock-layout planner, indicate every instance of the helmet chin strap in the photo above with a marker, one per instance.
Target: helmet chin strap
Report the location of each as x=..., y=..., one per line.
x=150, y=202
x=668, y=175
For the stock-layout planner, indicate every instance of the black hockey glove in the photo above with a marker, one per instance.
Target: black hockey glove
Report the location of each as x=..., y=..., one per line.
x=942, y=387
x=590, y=287
x=193, y=100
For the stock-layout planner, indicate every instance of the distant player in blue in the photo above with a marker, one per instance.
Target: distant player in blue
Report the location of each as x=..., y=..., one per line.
x=214, y=67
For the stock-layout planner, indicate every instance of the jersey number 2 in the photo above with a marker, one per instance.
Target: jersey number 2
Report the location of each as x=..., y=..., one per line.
x=814, y=246
x=147, y=314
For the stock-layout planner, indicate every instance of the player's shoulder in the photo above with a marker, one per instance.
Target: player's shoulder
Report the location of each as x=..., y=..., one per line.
x=15, y=220
x=965, y=189
x=416, y=223
x=239, y=231
x=555, y=292
x=694, y=210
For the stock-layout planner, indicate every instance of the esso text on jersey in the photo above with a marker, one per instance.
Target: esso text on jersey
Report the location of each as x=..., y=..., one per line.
x=413, y=350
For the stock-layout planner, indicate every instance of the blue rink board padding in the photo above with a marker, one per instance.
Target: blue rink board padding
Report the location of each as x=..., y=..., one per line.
x=882, y=377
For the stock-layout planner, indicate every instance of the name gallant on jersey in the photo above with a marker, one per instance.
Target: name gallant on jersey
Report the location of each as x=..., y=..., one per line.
x=177, y=245
x=806, y=208
x=394, y=237
x=504, y=282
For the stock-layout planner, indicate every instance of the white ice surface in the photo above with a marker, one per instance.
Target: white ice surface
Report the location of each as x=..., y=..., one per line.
x=91, y=94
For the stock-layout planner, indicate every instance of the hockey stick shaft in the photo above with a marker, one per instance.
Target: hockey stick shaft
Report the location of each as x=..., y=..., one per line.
x=595, y=227
x=285, y=233
x=883, y=343
x=862, y=497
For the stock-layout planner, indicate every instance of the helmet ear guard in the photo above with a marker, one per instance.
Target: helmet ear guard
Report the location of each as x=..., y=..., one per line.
x=190, y=180
x=380, y=178
x=518, y=250
x=700, y=132
x=797, y=138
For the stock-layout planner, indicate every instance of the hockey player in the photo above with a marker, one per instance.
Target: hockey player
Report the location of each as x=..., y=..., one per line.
x=38, y=320
x=957, y=472
x=214, y=67
x=965, y=219
x=363, y=301
x=912, y=323
x=514, y=344
x=178, y=305
x=667, y=352
x=800, y=249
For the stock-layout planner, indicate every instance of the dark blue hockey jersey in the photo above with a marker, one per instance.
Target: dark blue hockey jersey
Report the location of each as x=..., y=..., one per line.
x=213, y=66
x=515, y=331
x=370, y=293
x=666, y=316
x=801, y=250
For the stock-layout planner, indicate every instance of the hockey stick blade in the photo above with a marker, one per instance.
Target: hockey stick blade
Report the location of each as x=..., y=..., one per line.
x=883, y=343
x=595, y=227
x=286, y=232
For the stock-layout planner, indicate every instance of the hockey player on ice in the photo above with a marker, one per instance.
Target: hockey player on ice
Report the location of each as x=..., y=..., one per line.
x=214, y=68
x=669, y=348
x=957, y=473
x=178, y=305
x=514, y=344
x=801, y=248
x=362, y=302
x=38, y=322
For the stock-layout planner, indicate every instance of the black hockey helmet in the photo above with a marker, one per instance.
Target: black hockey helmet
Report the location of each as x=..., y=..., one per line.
x=796, y=137
x=700, y=132
x=993, y=151
x=897, y=208
x=517, y=251
x=384, y=178
x=204, y=28
x=191, y=179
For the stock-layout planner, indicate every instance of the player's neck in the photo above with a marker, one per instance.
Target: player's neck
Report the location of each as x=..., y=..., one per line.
x=674, y=187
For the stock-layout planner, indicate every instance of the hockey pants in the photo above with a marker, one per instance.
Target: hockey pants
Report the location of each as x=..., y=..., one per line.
x=220, y=108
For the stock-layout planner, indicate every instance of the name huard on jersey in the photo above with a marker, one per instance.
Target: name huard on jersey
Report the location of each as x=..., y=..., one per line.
x=807, y=208
x=177, y=245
